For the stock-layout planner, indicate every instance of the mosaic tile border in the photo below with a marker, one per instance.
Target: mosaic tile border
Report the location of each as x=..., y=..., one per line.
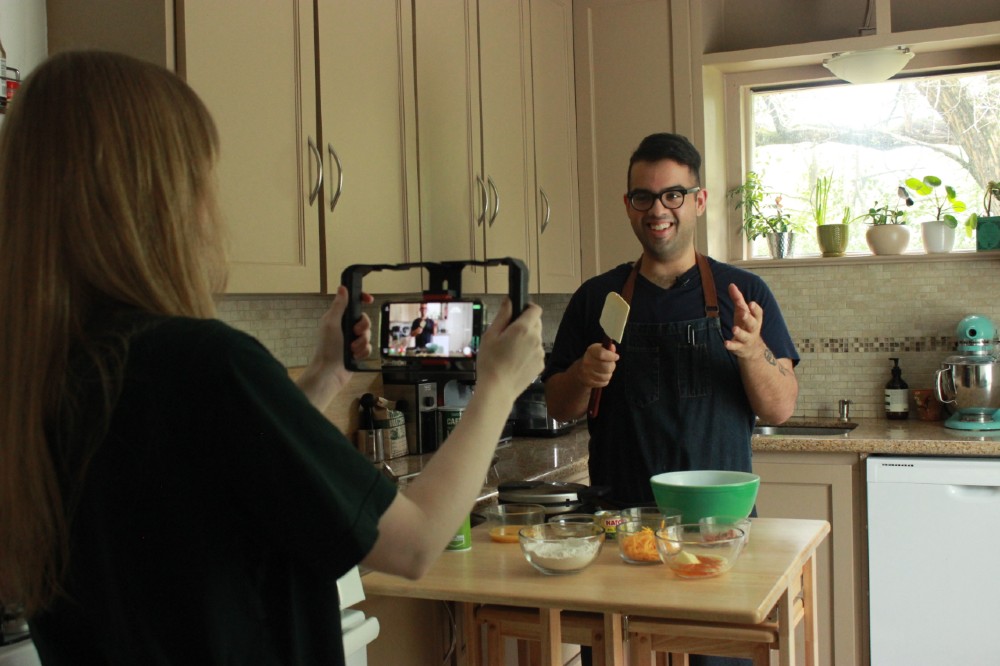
x=875, y=345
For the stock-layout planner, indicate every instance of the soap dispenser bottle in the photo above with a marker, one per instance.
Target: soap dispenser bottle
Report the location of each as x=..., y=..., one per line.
x=897, y=394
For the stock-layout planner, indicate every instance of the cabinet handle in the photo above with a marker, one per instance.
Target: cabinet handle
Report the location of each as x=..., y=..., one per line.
x=496, y=199
x=486, y=201
x=319, y=171
x=340, y=176
x=548, y=211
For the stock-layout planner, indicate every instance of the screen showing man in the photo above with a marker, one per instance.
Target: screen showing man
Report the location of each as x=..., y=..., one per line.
x=422, y=329
x=431, y=328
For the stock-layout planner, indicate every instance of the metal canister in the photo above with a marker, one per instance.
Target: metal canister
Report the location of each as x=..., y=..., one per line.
x=610, y=520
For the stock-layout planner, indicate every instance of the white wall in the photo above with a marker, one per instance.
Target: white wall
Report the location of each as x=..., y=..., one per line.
x=23, y=32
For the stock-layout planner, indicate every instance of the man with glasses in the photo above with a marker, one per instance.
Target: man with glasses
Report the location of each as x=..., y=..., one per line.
x=705, y=348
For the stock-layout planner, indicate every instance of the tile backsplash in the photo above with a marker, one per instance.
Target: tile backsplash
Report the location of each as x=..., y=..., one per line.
x=847, y=321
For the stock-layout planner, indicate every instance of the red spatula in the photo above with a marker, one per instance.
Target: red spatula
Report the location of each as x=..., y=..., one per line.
x=614, y=315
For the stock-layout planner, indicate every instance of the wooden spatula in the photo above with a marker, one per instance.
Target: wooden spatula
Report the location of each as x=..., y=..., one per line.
x=614, y=315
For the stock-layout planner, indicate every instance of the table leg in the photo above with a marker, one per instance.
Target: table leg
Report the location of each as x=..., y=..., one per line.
x=786, y=628
x=551, y=635
x=809, y=611
x=614, y=652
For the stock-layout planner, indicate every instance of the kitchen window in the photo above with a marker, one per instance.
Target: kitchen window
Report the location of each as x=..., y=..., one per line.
x=870, y=139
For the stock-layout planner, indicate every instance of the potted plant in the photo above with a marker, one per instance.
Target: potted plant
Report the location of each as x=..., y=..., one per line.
x=832, y=238
x=988, y=226
x=763, y=219
x=939, y=233
x=888, y=233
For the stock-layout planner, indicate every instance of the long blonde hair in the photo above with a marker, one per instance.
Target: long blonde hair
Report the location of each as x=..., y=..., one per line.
x=107, y=205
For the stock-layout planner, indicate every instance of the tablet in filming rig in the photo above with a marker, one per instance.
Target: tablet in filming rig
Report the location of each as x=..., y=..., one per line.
x=429, y=329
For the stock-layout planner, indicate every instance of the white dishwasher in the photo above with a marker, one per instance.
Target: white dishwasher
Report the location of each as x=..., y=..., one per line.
x=933, y=560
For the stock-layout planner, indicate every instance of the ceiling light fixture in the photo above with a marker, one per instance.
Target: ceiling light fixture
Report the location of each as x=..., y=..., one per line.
x=868, y=66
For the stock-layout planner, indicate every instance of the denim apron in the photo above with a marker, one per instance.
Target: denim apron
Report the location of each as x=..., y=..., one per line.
x=675, y=402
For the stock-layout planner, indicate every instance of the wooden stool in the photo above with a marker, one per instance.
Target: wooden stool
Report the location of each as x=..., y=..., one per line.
x=678, y=639
x=524, y=624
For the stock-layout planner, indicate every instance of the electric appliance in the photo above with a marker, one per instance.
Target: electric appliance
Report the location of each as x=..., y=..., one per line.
x=933, y=540
x=418, y=400
x=968, y=381
x=531, y=415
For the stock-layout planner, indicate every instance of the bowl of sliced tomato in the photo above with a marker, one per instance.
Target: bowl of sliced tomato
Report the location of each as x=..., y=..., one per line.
x=699, y=550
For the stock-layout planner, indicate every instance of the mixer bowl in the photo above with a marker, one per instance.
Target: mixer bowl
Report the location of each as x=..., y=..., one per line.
x=969, y=383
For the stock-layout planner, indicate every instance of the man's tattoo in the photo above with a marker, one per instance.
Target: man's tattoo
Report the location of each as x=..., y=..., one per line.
x=769, y=357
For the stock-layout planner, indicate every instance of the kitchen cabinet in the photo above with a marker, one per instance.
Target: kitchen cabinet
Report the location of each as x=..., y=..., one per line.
x=633, y=78
x=254, y=68
x=557, y=222
x=368, y=128
x=480, y=138
x=825, y=486
x=289, y=85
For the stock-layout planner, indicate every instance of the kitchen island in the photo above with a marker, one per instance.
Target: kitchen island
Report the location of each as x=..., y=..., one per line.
x=768, y=593
x=801, y=477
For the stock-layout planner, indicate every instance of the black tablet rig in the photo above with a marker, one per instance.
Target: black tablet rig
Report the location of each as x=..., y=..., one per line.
x=445, y=286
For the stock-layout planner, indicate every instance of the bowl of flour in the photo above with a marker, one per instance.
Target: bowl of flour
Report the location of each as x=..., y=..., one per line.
x=561, y=548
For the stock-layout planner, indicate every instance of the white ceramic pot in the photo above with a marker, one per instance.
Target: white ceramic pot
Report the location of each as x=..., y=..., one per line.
x=938, y=237
x=887, y=238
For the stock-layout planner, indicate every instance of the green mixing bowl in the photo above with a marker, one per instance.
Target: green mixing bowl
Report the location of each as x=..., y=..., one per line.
x=706, y=493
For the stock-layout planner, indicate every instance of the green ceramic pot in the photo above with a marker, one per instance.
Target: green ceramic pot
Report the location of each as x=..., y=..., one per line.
x=988, y=233
x=833, y=239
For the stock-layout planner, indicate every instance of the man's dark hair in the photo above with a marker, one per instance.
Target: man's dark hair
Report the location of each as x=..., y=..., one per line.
x=663, y=146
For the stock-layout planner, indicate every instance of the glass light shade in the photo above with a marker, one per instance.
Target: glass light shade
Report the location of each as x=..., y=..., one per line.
x=868, y=66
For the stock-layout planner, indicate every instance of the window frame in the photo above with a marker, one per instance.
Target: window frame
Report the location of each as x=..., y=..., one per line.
x=736, y=89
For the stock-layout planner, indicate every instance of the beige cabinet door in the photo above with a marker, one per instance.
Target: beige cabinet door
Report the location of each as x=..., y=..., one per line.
x=625, y=91
x=508, y=167
x=253, y=65
x=558, y=219
x=368, y=125
x=824, y=487
x=476, y=156
x=454, y=200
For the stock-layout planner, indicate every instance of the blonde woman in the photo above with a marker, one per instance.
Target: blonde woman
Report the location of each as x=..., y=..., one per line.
x=167, y=494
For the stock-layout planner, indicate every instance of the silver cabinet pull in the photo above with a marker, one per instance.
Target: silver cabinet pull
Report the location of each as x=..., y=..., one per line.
x=485, y=199
x=496, y=199
x=319, y=171
x=340, y=176
x=548, y=210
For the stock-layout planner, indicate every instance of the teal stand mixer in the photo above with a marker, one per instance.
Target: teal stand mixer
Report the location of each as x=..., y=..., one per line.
x=968, y=381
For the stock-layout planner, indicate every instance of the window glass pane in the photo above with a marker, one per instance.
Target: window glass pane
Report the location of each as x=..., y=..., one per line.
x=870, y=139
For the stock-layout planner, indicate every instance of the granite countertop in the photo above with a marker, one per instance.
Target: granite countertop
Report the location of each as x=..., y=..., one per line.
x=906, y=437
x=564, y=458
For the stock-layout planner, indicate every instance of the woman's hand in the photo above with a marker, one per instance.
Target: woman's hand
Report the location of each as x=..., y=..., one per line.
x=510, y=353
x=326, y=373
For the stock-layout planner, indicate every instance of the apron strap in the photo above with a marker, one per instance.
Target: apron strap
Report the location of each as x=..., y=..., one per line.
x=708, y=287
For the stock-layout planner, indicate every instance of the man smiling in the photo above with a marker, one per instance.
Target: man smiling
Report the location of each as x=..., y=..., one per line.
x=704, y=352
x=705, y=349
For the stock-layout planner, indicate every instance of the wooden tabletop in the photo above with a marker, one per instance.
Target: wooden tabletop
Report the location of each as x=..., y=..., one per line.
x=497, y=573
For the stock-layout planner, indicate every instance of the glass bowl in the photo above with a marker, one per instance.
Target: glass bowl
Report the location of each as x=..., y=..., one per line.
x=561, y=548
x=636, y=534
x=575, y=518
x=503, y=521
x=695, y=550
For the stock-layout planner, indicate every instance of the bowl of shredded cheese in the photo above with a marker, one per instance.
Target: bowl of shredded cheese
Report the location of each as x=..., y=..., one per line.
x=561, y=548
x=636, y=534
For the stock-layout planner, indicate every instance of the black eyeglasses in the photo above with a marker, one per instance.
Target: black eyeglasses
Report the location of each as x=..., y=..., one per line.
x=643, y=200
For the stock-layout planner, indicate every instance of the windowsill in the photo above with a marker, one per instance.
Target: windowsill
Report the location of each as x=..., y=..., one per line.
x=792, y=262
